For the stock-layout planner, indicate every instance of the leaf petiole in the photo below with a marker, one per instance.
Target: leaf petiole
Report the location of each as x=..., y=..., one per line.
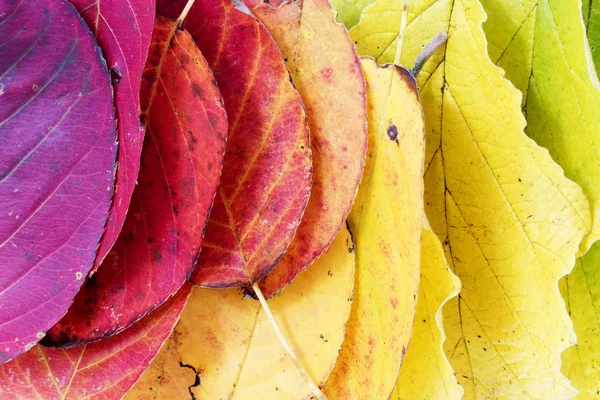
x=297, y=362
x=185, y=12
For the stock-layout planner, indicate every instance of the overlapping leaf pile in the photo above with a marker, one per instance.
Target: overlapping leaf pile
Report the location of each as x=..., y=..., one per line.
x=165, y=164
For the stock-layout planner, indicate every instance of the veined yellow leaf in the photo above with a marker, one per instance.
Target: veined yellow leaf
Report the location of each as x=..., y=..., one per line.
x=230, y=344
x=581, y=291
x=386, y=223
x=591, y=18
x=509, y=220
x=426, y=373
x=540, y=45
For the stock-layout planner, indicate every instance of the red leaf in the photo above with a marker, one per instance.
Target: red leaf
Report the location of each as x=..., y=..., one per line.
x=102, y=370
x=181, y=164
x=327, y=73
x=57, y=164
x=123, y=29
x=267, y=171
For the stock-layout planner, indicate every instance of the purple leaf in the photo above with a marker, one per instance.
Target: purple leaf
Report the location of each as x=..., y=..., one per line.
x=123, y=29
x=57, y=164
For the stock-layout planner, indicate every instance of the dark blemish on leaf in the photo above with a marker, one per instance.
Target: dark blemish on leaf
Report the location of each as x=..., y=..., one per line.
x=35, y=87
x=392, y=133
x=197, y=90
x=175, y=210
x=115, y=75
x=156, y=255
x=149, y=240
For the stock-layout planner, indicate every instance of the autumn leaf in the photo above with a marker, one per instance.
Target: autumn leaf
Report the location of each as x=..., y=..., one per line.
x=179, y=174
x=229, y=343
x=386, y=223
x=267, y=171
x=326, y=71
x=101, y=370
x=580, y=290
x=539, y=45
x=123, y=30
x=426, y=372
x=591, y=18
x=57, y=165
x=509, y=220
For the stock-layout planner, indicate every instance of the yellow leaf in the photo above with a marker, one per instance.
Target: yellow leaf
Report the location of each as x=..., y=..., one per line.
x=581, y=291
x=230, y=343
x=509, y=220
x=426, y=372
x=540, y=44
x=386, y=223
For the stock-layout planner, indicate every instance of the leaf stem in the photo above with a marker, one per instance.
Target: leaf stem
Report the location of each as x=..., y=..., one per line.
x=185, y=12
x=297, y=362
x=428, y=51
x=401, y=32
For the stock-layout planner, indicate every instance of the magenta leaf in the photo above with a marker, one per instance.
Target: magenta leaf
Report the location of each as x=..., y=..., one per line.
x=102, y=370
x=57, y=164
x=180, y=170
x=123, y=29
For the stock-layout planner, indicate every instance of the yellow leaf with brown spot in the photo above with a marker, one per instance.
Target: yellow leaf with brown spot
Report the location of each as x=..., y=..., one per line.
x=509, y=220
x=229, y=343
x=386, y=223
x=426, y=372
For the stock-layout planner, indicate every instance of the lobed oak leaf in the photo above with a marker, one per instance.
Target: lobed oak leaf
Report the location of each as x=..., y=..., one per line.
x=57, y=164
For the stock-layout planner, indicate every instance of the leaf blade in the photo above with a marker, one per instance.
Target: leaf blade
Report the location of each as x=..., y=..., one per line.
x=57, y=169
x=230, y=343
x=123, y=31
x=180, y=170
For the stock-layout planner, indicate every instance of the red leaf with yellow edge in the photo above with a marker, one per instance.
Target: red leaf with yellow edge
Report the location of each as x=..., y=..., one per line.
x=326, y=71
x=57, y=164
x=102, y=370
x=181, y=163
x=123, y=30
x=267, y=170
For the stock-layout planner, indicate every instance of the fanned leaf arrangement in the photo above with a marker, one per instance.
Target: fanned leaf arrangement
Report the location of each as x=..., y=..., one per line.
x=355, y=199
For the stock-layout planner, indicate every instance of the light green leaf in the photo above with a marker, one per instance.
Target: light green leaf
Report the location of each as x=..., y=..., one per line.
x=540, y=44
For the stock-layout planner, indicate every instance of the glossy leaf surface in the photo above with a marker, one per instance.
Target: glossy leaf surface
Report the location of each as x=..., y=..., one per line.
x=267, y=170
x=181, y=162
x=123, y=29
x=102, y=370
x=327, y=73
x=56, y=170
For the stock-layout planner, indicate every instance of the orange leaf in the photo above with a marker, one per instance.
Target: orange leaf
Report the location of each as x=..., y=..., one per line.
x=326, y=71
